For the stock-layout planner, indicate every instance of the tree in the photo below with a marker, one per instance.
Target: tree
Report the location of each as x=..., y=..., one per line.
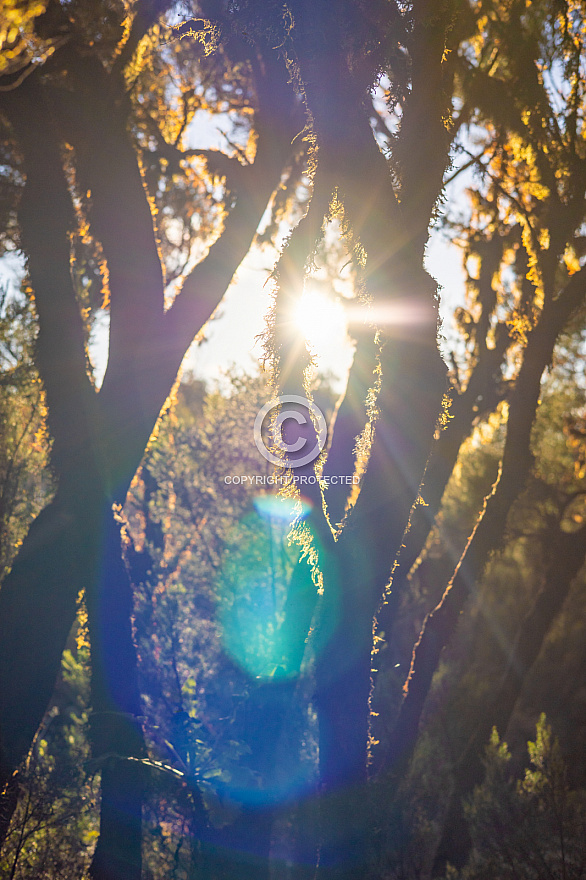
x=72, y=81
x=528, y=827
x=449, y=68
x=526, y=197
x=539, y=162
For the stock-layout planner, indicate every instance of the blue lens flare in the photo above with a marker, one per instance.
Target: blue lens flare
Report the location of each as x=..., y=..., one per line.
x=262, y=572
x=282, y=509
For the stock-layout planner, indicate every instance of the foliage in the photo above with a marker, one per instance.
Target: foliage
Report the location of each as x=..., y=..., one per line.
x=119, y=209
x=212, y=562
x=531, y=827
x=55, y=826
x=25, y=484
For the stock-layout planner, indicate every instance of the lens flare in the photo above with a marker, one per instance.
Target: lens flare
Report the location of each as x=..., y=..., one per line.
x=282, y=509
x=253, y=587
x=320, y=319
x=387, y=316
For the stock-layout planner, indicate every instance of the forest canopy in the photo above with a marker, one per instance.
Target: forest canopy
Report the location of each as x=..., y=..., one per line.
x=332, y=665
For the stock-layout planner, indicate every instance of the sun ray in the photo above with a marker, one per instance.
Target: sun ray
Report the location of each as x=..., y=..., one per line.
x=321, y=320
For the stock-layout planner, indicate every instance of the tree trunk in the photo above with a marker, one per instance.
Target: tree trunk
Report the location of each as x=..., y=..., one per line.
x=103, y=433
x=115, y=729
x=413, y=380
x=480, y=397
x=490, y=529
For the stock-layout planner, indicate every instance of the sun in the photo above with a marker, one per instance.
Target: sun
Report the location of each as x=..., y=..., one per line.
x=321, y=320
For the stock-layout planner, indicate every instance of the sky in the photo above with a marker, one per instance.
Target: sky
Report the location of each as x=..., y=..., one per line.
x=232, y=337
